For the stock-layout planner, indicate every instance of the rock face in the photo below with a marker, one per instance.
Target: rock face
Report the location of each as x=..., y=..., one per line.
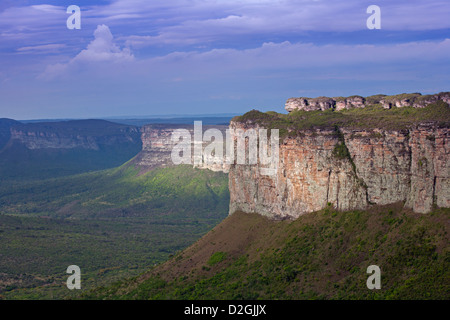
x=310, y=104
x=157, y=146
x=381, y=167
x=350, y=102
x=415, y=100
x=84, y=134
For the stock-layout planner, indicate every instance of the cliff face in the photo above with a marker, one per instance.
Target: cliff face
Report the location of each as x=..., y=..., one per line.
x=347, y=169
x=415, y=100
x=84, y=134
x=50, y=140
x=157, y=146
x=53, y=149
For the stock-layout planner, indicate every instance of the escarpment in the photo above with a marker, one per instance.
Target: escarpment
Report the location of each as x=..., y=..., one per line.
x=158, y=145
x=347, y=161
x=415, y=100
x=82, y=134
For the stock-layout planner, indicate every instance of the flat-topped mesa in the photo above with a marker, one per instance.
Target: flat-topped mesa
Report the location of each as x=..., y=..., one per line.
x=348, y=160
x=158, y=144
x=415, y=100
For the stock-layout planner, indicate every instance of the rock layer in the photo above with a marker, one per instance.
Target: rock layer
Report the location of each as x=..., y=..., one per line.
x=157, y=146
x=415, y=100
x=382, y=167
x=84, y=134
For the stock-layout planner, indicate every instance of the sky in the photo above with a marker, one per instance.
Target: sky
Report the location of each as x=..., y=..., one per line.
x=173, y=57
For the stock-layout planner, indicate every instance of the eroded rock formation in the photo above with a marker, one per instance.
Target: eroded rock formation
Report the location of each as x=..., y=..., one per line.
x=415, y=100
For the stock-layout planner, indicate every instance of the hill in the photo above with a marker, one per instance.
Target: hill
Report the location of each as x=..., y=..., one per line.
x=321, y=255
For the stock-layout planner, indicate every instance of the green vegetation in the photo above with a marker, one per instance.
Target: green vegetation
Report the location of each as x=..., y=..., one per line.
x=217, y=257
x=403, y=96
x=375, y=99
x=360, y=118
x=118, y=192
x=322, y=255
x=112, y=224
x=340, y=151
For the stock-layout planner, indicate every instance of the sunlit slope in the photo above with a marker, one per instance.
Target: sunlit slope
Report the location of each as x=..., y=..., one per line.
x=171, y=192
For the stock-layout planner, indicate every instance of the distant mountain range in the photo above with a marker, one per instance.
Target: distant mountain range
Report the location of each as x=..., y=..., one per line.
x=211, y=119
x=50, y=149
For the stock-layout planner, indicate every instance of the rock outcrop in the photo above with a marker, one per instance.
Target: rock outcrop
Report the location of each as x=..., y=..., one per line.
x=347, y=169
x=310, y=104
x=415, y=100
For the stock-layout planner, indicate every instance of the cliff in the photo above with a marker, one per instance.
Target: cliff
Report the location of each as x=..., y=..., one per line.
x=415, y=100
x=52, y=149
x=372, y=156
x=84, y=134
x=157, y=146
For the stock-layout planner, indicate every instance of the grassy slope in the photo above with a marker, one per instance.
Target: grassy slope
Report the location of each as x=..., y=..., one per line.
x=321, y=255
x=111, y=223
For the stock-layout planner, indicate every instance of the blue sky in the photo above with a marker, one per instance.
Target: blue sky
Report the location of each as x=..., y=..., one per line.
x=145, y=57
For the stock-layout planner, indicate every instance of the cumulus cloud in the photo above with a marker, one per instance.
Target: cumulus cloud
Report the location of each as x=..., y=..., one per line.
x=267, y=59
x=101, y=50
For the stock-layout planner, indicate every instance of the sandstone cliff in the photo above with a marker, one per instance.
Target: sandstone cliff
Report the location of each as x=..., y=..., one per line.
x=84, y=134
x=157, y=146
x=415, y=100
x=347, y=167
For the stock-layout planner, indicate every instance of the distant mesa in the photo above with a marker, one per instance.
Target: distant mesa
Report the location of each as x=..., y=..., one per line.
x=415, y=100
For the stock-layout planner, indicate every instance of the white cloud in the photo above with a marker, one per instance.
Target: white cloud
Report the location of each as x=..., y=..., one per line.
x=46, y=48
x=286, y=55
x=266, y=60
x=103, y=48
x=100, y=50
x=31, y=18
x=198, y=21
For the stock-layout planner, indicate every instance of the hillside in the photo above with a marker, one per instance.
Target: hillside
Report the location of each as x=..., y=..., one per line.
x=321, y=255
